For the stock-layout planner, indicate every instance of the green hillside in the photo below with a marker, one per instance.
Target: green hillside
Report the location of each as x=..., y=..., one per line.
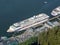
x=50, y=37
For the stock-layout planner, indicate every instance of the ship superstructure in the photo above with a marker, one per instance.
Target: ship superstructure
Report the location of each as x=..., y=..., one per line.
x=30, y=22
x=56, y=11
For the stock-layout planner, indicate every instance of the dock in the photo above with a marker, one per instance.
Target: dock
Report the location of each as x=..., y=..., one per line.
x=54, y=17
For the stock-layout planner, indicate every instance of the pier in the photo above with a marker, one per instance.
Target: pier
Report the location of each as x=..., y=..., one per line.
x=54, y=17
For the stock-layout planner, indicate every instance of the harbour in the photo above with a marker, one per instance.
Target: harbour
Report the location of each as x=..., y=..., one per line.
x=33, y=31
x=12, y=11
x=10, y=16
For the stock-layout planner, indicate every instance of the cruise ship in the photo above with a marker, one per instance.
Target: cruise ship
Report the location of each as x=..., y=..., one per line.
x=56, y=11
x=28, y=23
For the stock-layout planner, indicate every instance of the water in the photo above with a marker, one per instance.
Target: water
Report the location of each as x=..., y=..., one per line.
x=12, y=11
